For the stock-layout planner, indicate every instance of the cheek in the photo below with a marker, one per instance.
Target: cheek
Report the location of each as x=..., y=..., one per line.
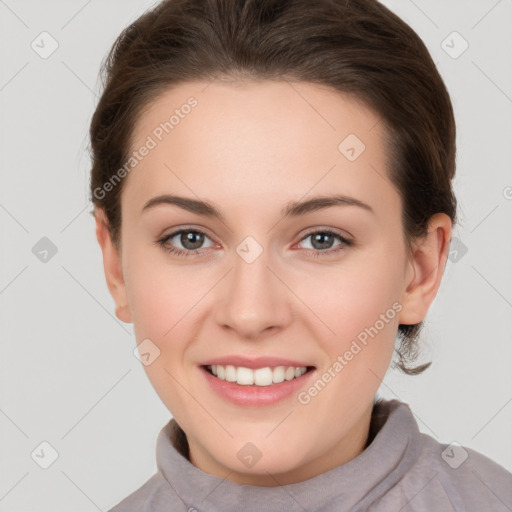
x=361, y=307
x=166, y=300
x=352, y=299
x=154, y=303
x=159, y=293
x=357, y=302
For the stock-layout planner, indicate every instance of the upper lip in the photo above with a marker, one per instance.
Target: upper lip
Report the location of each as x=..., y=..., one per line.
x=253, y=362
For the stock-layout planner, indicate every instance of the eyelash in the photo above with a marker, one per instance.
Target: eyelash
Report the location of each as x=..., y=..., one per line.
x=345, y=242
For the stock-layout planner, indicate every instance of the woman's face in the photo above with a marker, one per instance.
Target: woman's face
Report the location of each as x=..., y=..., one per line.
x=322, y=286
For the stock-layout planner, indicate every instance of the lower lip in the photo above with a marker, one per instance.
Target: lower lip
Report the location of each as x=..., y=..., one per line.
x=256, y=396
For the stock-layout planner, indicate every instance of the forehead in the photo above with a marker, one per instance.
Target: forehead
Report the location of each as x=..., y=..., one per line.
x=259, y=140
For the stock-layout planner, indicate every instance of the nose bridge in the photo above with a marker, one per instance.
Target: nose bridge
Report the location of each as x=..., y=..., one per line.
x=253, y=300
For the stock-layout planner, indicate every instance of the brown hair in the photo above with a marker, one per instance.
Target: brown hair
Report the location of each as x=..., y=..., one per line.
x=357, y=47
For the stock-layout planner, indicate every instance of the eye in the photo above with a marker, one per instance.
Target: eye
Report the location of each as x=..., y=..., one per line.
x=322, y=242
x=191, y=241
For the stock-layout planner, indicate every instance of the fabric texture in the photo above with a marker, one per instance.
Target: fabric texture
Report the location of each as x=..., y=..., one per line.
x=400, y=470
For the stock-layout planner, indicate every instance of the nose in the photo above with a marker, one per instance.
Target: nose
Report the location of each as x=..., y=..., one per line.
x=253, y=300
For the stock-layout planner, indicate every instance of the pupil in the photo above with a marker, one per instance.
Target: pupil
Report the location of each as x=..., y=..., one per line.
x=324, y=240
x=192, y=240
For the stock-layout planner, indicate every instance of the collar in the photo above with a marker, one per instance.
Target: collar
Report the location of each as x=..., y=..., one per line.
x=362, y=480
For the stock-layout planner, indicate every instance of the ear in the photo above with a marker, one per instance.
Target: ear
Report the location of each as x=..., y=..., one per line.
x=426, y=266
x=112, y=266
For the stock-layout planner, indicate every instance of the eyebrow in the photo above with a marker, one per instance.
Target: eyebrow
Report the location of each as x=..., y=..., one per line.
x=292, y=209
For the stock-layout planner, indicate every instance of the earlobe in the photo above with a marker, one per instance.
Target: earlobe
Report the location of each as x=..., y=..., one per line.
x=427, y=266
x=112, y=267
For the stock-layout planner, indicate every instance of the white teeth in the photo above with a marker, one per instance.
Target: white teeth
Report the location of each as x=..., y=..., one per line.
x=230, y=373
x=289, y=374
x=278, y=375
x=259, y=377
x=244, y=376
x=263, y=376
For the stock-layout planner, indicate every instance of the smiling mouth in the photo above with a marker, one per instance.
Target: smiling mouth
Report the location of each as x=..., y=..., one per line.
x=266, y=376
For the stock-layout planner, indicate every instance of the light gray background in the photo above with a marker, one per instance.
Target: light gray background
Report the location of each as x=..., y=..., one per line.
x=68, y=374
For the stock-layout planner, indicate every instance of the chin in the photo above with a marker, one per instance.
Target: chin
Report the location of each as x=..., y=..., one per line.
x=259, y=463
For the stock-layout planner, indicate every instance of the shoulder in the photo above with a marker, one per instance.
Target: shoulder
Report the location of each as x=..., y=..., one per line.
x=456, y=476
x=153, y=495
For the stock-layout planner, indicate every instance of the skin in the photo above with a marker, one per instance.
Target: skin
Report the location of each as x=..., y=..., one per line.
x=250, y=148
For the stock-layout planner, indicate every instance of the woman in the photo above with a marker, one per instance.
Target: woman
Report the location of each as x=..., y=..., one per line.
x=273, y=200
